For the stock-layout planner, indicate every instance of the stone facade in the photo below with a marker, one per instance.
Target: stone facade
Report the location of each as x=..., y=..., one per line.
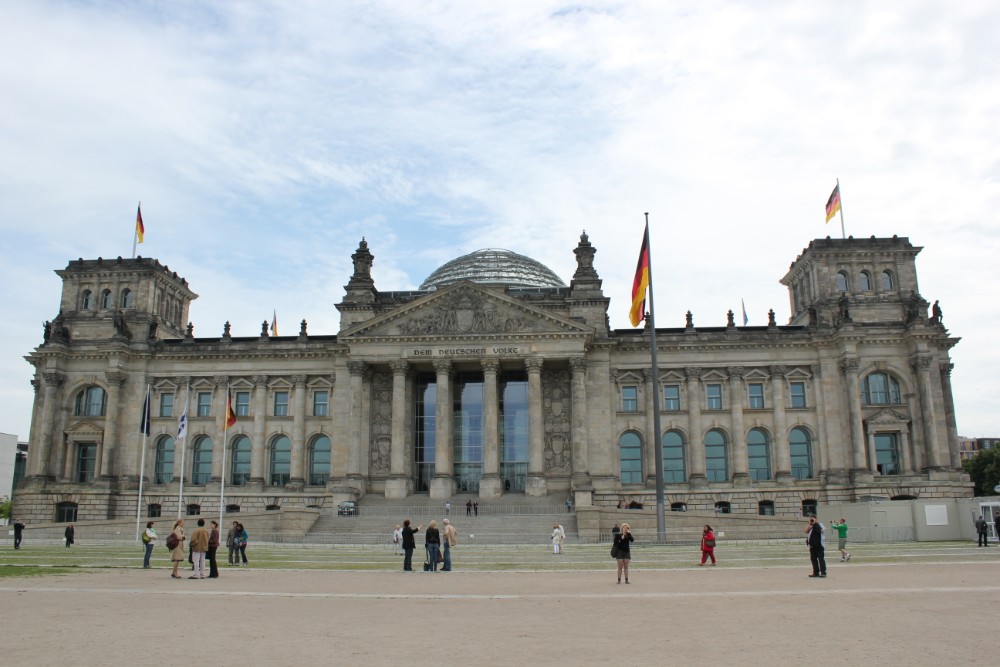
x=530, y=388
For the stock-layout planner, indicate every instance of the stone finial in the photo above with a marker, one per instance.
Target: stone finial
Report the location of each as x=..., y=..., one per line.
x=263, y=329
x=302, y=330
x=226, y=330
x=730, y=319
x=689, y=320
x=585, y=259
x=190, y=330
x=770, y=318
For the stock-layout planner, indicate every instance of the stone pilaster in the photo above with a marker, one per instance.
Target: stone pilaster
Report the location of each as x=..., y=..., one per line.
x=443, y=482
x=696, y=446
x=535, y=485
x=300, y=451
x=398, y=484
x=259, y=448
x=739, y=455
x=109, y=447
x=779, y=446
x=581, y=466
x=490, y=486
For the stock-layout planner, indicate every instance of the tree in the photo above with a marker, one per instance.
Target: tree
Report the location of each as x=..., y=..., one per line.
x=984, y=469
x=5, y=507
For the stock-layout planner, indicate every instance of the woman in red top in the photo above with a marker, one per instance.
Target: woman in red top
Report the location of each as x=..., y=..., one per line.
x=707, y=545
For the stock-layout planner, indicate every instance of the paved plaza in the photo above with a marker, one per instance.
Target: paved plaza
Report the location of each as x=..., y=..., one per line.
x=919, y=610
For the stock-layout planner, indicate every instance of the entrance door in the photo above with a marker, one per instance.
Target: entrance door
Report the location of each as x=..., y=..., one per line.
x=989, y=512
x=513, y=476
x=879, y=520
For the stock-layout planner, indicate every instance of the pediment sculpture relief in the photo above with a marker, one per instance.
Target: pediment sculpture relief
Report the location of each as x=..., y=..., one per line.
x=467, y=312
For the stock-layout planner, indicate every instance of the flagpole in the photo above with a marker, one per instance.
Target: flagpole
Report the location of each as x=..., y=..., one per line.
x=142, y=460
x=225, y=442
x=661, y=521
x=135, y=234
x=843, y=233
x=180, y=492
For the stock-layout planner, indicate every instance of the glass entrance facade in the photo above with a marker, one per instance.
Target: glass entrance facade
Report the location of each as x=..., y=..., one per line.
x=467, y=431
x=424, y=431
x=513, y=431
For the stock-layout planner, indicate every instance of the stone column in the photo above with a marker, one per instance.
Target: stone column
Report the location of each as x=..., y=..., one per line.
x=649, y=457
x=779, y=447
x=739, y=455
x=696, y=448
x=297, y=475
x=949, y=413
x=820, y=439
x=443, y=482
x=397, y=486
x=109, y=454
x=358, y=370
x=872, y=452
x=221, y=383
x=39, y=465
x=258, y=468
x=849, y=366
x=905, y=464
x=536, y=438
x=490, y=485
x=922, y=366
x=581, y=465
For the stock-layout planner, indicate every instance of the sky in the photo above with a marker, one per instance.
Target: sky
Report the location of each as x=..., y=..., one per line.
x=265, y=139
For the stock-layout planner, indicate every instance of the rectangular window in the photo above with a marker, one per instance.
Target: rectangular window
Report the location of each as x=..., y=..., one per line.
x=166, y=405
x=714, y=394
x=630, y=399
x=671, y=397
x=798, y=391
x=321, y=403
x=281, y=404
x=756, y=393
x=243, y=404
x=86, y=462
x=204, y=404
x=887, y=453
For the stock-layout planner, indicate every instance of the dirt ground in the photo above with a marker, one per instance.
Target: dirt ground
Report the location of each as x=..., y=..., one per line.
x=894, y=614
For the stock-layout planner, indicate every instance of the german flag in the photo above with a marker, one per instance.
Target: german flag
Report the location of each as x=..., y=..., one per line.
x=640, y=283
x=833, y=203
x=230, y=415
x=139, y=229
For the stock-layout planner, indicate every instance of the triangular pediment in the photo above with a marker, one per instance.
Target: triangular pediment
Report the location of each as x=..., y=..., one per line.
x=85, y=429
x=888, y=417
x=466, y=309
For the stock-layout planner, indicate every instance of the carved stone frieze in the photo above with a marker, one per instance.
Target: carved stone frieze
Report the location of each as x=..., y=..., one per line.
x=557, y=407
x=381, y=423
x=467, y=312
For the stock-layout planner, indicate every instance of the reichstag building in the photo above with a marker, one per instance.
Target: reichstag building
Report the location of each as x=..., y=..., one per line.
x=494, y=378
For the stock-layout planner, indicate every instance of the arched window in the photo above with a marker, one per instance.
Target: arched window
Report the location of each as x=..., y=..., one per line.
x=126, y=300
x=86, y=300
x=887, y=281
x=880, y=389
x=673, y=458
x=201, y=467
x=91, y=402
x=281, y=460
x=758, y=455
x=865, y=281
x=765, y=508
x=630, y=457
x=319, y=461
x=106, y=300
x=163, y=468
x=842, y=282
x=154, y=510
x=240, y=461
x=66, y=512
x=800, y=451
x=715, y=456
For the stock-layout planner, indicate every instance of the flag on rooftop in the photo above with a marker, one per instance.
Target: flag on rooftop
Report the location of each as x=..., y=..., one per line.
x=230, y=415
x=140, y=230
x=640, y=283
x=833, y=203
x=274, y=324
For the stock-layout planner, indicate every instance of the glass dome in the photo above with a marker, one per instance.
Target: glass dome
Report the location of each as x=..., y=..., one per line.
x=493, y=266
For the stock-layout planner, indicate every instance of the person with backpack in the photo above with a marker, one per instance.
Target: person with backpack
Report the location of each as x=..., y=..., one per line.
x=175, y=542
x=707, y=545
x=148, y=541
x=241, y=541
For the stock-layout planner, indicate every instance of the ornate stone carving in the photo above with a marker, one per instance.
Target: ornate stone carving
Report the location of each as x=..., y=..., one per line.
x=920, y=362
x=298, y=379
x=490, y=365
x=357, y=368
x=399, y=366
x=464, y=312
x=115, y=377
x=442, y=366
x=557, y=410
x=777, y=371
x=381, y=423
x=735, y=373
x=260, y=380
x=849, y=365
x=220, y=380
x=816, y=370
x=693, y=373
x=533, y=364
x=580, y=364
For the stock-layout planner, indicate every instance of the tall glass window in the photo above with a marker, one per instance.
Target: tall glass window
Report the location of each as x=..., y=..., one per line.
x=91, y=402
x=865, y=281
x=321, y=403
x=319, y=461
x=86, y=462
x=281, y=404
x=467, y=431
x=630, y=398
x=243, y=404
x=671, y=397
x=126, y=300
x=425, y=430
x=887, y=453
x=755, y=390
x=758, y=455
x=713, y=392
x=106, y=299
x=281, y=460
x=800, y=451
x=841, y=282
x=887, y=283
x=86, y=300
x=163, y=468
x=166, y=405
x=798, y=393
x=514, y=430
x=674, y=471
x=204, y=404
x=716, y=469
x=880, y=389
x=240, y=466
x=630, y=456
x=201, y=467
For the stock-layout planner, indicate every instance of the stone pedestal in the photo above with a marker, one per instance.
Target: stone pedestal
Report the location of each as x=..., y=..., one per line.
x=535, y=486
x=784, y=478
x=397, y=486
x=861, y=476
x=742, y=480
x=442, y=487
x=490, y=487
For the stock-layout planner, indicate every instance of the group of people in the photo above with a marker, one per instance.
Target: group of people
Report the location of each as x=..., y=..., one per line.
x=201, y=548
x=437, y=545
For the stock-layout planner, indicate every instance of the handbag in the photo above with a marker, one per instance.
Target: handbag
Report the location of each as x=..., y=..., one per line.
x=440, y=555
x=710, y=544
x=614, y=551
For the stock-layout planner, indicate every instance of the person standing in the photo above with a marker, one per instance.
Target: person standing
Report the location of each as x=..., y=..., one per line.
x=397, y=540
x=432, y=542
x=149, y=541
x=816, y=539
x=707, y=545
x=18, y=532
x=409, y=544
x=981, y=529
x=614, y=531
x=475, y=508
x=468, y=508
x=996, y=525
x=558, y=536
x=70, y=535
x=241, y=541
x=569, y=505
x=449, y=540
x=623, y=550
x=177, y=553
x=233, y=545
x=447, y=507
x=213, y=548
x=199, y=546
x=841, y=529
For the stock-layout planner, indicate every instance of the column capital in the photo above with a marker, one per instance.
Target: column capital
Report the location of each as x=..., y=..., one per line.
x=735, y=373
x=816, y=370
x=183, y=381
x=777, y=372
x=920, y=362
x=693, y=373
x=579, y=364
x=849, y=365
x=220, y=380
x=356, y=368
x=260, y=380
x=533, y=364
x=399, y=366
x=115, y=378
x=947, y=368
x=298, y=379
x=442, y=366
x=490, y=365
